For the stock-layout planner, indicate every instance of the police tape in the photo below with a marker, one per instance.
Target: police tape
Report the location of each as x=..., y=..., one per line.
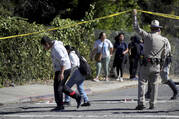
x=161, y=14
x=66, y=26
x=89, y=21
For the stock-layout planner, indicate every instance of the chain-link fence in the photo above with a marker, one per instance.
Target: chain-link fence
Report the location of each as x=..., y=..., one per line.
x=173, y=41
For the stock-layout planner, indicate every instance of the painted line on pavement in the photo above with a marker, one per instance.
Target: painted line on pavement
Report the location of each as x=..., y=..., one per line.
x=94, y=116
x=114, y=102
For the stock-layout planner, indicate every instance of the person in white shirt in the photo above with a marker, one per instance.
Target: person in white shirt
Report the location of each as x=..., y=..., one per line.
x=164, y=74
x=62, y=68
x=76, y=77
x=104, y=46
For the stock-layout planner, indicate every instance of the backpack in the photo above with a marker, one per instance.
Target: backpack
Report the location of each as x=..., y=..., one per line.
x=141, y=49
x=84, y=67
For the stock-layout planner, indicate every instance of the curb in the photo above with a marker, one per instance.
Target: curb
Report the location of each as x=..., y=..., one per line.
x=89, y=91
x=109, y=87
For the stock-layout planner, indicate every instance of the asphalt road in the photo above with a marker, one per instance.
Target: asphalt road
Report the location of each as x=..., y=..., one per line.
x=116, y=104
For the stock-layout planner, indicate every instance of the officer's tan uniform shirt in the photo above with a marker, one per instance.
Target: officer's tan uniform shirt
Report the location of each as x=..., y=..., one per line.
x=154, y=43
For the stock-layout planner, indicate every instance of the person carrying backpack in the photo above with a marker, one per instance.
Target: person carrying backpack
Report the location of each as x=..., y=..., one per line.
x=77, y=77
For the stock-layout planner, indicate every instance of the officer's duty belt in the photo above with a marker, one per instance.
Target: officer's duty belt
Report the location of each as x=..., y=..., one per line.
x=155, y=61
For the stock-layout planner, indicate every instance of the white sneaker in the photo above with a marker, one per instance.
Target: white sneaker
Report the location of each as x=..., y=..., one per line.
x=121, y=79
x=117, y=79
x=96, y=80
x=107, y=79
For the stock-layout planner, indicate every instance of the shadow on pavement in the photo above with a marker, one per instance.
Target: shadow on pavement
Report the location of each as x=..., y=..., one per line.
x=40, y=111
x=91, y=110
x=19, y=112
x=26, y=108
x=117, y=100
x=146, y=111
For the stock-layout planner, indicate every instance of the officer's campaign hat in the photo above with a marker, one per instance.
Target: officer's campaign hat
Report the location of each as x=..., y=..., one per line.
x=155, y=23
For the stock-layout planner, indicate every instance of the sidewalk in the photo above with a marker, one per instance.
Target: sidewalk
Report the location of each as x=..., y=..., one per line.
x=38, y=92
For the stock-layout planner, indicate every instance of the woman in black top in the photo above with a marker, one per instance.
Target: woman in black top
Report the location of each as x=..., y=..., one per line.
x=121, y=48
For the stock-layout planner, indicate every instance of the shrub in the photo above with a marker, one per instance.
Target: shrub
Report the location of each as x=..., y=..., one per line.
x=23, y=59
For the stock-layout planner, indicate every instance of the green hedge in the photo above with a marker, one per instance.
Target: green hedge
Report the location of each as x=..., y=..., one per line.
x=23, y=59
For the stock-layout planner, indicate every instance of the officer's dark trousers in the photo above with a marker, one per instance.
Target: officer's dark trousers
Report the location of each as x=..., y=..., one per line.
x=60, y=87
x=133, y=67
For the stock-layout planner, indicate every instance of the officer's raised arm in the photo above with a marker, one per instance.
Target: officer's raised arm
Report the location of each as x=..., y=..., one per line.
x=136, y=25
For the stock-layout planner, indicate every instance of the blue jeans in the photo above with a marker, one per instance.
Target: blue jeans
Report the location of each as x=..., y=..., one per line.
x=78, y=79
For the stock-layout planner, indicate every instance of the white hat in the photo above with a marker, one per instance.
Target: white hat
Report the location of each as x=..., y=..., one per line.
x=155, y=23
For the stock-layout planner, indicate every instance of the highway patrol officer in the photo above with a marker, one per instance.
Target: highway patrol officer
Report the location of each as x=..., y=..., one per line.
x=164, y=74
x=154, y=51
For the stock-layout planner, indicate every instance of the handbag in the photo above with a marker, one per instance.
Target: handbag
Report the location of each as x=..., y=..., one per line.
x=98, y=55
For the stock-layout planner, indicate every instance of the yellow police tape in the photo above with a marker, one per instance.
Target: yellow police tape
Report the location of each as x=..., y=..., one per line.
x=67, y=26
x=84, y=22
x=161, y=14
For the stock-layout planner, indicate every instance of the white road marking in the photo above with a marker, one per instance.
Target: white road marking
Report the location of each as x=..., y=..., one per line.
x=95, y=116
x=114, y=102
x=158, y=101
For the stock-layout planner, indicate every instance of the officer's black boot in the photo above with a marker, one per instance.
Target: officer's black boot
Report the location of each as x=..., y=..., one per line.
x=140, y=107
x=172, y=85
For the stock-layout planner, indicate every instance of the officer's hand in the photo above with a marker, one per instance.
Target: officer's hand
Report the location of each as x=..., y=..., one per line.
x=134, y=12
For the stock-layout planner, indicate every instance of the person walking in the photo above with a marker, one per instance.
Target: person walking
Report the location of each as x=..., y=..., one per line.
x=76, y=77
x=154, y=51
x=62, y=68
x=134, y=56
x=164, y=74
x=104, y=48
x=120, y=49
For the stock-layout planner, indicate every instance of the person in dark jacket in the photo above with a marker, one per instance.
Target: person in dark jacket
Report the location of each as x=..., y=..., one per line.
x=134, y=56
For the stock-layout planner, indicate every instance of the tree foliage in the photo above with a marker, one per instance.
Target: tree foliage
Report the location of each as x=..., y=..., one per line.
x=23, y=59
x=44, y=11
x=161, y=6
